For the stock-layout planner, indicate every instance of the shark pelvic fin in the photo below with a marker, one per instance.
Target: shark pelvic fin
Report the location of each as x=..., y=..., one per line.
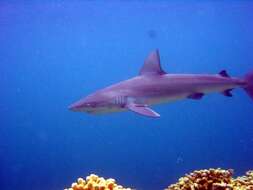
x=227, y=93
x=152, y=64
x=142, y=110
x=196, y=96
x=224, y=73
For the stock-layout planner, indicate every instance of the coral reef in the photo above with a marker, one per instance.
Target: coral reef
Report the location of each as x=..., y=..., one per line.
x=93, y=182
x=213, y=179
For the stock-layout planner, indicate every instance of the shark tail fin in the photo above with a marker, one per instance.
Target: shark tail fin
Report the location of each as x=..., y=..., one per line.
x=249, y=84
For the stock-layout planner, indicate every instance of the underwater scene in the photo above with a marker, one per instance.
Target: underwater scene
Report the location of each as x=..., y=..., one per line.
x=126, y=95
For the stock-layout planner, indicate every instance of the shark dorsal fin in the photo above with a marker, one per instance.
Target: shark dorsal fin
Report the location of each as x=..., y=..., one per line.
x=152, y=64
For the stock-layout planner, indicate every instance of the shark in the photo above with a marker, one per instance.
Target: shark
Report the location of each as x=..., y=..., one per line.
x=155, y=86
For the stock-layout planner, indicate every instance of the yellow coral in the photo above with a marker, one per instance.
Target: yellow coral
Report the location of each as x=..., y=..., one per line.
x=94, y=182
x=213, y=179
x=244, y=182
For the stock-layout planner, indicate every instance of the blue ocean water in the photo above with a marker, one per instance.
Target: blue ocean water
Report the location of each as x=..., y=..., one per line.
x=52, y=53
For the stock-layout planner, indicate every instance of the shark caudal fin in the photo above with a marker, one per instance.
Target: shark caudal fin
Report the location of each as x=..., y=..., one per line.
x=249, y=86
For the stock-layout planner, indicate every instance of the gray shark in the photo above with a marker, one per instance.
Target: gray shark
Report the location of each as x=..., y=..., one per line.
x=154, y=86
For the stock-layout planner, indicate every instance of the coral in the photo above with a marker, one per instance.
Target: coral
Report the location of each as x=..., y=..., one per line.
x=213, y=179
x=204, y=180
x=93, y=182
x=244, y=182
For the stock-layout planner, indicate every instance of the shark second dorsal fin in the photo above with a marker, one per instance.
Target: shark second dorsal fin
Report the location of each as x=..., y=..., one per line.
x=152, y=65
x=224, y=73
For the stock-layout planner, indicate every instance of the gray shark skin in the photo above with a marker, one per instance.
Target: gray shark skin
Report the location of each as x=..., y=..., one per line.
x=154, y=86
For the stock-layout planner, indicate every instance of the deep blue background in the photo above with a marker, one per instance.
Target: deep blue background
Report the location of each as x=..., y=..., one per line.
x=54, y=52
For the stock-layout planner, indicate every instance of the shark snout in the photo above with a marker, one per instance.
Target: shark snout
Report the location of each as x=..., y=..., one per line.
x=75, y=106
x=72, y=107
x=82, y=105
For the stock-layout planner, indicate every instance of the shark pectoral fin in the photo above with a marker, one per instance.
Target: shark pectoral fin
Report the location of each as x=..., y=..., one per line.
x=142, y=109
x=196, y=96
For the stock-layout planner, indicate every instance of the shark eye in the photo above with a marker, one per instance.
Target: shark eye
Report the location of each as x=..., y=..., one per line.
x=88, y=105
x=91, y=104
